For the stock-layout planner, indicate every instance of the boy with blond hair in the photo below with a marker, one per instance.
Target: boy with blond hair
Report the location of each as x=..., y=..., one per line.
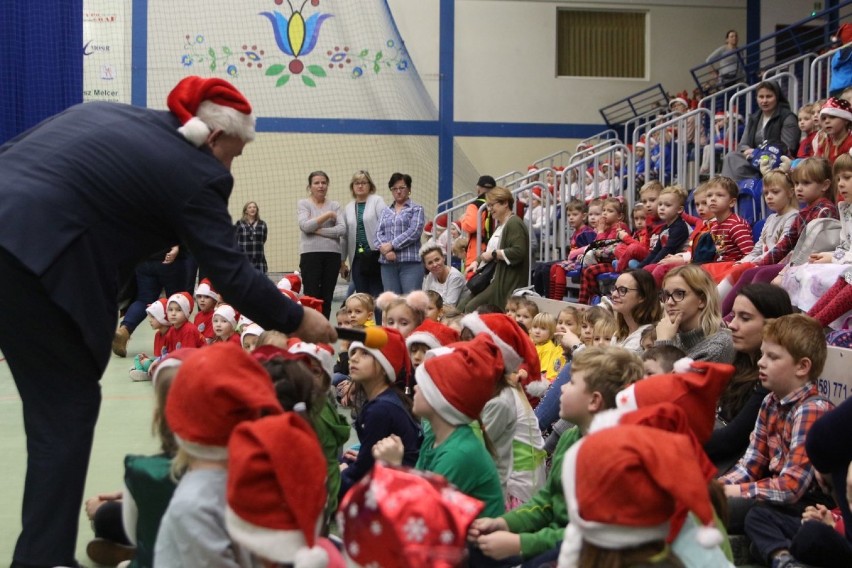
x=775, y=470
x=535, y=529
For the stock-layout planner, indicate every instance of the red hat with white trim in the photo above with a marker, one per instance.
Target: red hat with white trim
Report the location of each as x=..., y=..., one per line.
x=322, y=353
x=460, y=401
x=393, y=357
x=205, y=288
x=216, y=388
x=157, y=310
x=197, y=101
x=515, y=345
x=641, y=142
x=837, y=107
x=227, y=312
x=291, y=282
x=432, y=334
x=184, y=300
x=275, y=509
x=623, y=485
x=695, y=386
x=405, y=518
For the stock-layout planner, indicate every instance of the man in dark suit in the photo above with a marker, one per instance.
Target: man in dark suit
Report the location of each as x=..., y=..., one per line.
x=84, y=196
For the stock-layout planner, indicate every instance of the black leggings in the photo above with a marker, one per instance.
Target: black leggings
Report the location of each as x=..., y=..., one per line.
x=319, y=276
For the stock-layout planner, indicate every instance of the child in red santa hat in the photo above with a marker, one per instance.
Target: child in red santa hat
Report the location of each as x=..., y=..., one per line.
x=216, y=388
x=224, y=324
x=160, y=324
x=277, y=493
x=206, y=298
x=183, y=332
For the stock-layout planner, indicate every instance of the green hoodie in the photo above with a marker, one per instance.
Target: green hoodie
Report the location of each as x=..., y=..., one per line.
x=333, y=432
x=541, y=521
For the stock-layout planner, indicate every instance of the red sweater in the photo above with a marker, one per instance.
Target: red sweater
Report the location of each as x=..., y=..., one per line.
x=732, y=237
x=204, y=323
x=186, y=335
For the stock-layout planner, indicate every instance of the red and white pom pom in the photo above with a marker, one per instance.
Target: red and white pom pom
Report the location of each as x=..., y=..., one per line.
x=314, y=557
x=708, y=536
x=195, y=130
x=537, y=388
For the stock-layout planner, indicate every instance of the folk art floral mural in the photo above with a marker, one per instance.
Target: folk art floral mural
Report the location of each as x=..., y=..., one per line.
x=301, y=50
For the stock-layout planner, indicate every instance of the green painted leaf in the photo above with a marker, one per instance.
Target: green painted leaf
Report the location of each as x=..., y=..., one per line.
x=213, y=65
x=308, y=81
x=282, y=80
x=211, y=52
x=226, y=50
x=316, y=70
x=378, y=55
x=276, y=69
x=377, y=67
x=364, y=53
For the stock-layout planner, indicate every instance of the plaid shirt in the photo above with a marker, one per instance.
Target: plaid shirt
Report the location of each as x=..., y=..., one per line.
x=250, y=240
x=775, y=467
x=402, y=230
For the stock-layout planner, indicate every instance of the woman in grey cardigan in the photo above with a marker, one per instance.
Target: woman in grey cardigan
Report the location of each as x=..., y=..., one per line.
x=693, y=316
x=358, y=243
x=322, y=226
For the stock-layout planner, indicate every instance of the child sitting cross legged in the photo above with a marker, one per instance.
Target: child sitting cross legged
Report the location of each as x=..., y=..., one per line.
x=674, y=234
x=775, y=470
x=160, y=324
x=731, y=233
x=535, y=529
x=549, y=278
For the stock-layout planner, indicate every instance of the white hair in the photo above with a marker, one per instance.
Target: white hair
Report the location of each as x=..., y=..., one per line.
x=227, y=119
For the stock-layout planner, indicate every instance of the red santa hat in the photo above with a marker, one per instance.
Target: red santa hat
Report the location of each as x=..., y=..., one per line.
x=184, y=300
x=205, y=288
x=275, y=509
x=195, y=96
x=622, y=486
x=393, y=357
x=173, y=359
x=291, y=282
x=427, y=228
x=641, y=142
x=515, y=345
x=252, y=329
x=432, y=334
x=695, y=386
x=157, y=310
x=217, y=388
x=678, y=100
x=441, y=221
x=322, y=353
x=532, y=168
x=536, y=192
x=837, y=107
x=243, y=321
x=227, y=312
x=460, y=401
x=311, y=302
x=404, y=518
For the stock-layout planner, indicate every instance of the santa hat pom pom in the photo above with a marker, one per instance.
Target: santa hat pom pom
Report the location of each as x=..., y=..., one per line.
x=683, y=365
x=708, y=537
x=195, y=130
x=607, y=419
x=537, y=388
x=384, y=300
x=314, y=557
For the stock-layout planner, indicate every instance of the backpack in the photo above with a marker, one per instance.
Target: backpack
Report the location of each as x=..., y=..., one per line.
x=819, y=235
x=704, y=248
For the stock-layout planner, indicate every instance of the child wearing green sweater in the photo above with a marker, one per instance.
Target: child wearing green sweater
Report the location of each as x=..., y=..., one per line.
x=537, y=527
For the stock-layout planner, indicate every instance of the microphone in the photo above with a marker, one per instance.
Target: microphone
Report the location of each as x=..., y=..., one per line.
x=373, y=337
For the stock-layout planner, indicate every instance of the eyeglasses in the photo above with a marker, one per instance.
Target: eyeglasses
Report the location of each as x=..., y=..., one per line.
x=399, y=188
x=676, y=295
x=622, y=290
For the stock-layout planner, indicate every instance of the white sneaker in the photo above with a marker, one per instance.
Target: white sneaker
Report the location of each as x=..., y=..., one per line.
x=138, y=376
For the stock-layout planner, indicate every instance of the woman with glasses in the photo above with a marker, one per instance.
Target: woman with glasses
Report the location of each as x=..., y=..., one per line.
x=509, y=247
x=319, y=245
x=358, y=243
x=398, y=238
x=693, y=318
x=740, y=402
x=636, y=305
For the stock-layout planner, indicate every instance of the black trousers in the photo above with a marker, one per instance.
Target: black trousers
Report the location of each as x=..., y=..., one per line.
x=319, y=276
x=58, y=381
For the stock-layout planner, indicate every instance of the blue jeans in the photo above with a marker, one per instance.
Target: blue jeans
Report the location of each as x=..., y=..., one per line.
x=547, y=410
x=402, y=277
x=152, y=276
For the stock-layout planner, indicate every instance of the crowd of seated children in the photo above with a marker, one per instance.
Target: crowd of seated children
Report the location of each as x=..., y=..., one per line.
x=599, y=255
x=549, y=281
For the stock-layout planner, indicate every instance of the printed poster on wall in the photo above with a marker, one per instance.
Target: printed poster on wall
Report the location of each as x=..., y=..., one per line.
x=106, y=51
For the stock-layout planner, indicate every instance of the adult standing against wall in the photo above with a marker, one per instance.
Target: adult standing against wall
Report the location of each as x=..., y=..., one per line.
x=398, y=238
x=322, y=226
x=728, y=70
x=472, y=219
x=251, y=233
x=773, y=122
x=112, y=185
x=509, y=247
x=358, y=243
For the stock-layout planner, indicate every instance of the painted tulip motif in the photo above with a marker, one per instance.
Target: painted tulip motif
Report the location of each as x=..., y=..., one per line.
x=295, y=35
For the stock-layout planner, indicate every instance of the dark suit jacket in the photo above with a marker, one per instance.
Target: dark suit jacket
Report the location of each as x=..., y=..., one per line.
x=90, y=192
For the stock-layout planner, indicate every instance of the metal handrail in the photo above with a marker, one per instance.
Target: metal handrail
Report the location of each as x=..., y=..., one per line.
x=599, y=146
x=552, y=157
x=816, y=80
x=633, y=122
x=680, y=148
x=801, y=63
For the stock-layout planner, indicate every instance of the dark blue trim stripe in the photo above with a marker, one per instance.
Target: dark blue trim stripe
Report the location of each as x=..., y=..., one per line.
x=527, y=130
x=139, y=54
x=446, y=101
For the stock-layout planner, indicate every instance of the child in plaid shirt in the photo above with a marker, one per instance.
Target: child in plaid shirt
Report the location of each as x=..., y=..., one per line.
x=776, y=470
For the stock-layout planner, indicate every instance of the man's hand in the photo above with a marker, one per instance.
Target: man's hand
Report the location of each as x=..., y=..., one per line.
x=315, y=328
